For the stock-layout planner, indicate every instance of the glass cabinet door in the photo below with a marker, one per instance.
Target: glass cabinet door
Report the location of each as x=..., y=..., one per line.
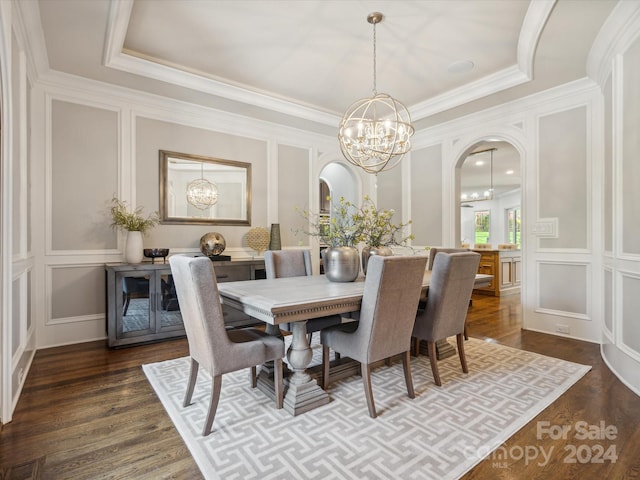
x=136, y=317
x=168, y=312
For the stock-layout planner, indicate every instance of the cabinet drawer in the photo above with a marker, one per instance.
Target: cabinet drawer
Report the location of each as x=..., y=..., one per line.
x=232, y=273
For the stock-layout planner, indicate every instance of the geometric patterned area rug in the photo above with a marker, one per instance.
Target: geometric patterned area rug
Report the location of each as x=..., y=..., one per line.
x=440, y=434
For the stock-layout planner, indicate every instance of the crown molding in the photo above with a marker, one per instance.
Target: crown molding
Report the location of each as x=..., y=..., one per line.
x=532, y=25
x=615, y=36
x=496, y=82
x=28, y=27
x=115, y=57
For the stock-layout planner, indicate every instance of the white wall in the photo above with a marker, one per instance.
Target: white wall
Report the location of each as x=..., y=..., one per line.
x=17, y=335
x=619, y=75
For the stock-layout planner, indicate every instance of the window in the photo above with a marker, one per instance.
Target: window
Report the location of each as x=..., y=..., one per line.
x=482, y=226
x=513, y=225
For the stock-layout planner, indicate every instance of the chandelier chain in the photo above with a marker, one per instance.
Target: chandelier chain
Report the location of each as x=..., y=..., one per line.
x=375, y=91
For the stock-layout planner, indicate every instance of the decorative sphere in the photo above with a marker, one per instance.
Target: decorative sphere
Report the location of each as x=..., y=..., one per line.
x=212, y=243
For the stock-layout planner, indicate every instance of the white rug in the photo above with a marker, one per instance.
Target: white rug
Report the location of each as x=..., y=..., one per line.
x=440, y=434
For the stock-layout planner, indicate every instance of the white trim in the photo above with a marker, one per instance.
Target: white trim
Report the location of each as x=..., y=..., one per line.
x=48, y=165
x=616, y=371
x=115, y=56
x=6, y=109
x=534, y=21
x=27, y=22
x=488, y=85
x=619, y=319
x=80, y=318
x=588, y=144
x=616, y=34
x=588, y=316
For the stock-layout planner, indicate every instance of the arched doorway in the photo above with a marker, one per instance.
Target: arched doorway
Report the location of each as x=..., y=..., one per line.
x=489, y=205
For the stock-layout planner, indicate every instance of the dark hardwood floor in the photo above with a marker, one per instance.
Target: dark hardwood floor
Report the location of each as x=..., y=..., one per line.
x=88, y=412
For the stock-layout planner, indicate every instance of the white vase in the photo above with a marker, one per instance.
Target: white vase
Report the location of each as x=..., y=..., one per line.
x=133, y=251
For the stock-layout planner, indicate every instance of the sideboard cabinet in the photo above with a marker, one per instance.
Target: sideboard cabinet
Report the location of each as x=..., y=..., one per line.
x=142, y=305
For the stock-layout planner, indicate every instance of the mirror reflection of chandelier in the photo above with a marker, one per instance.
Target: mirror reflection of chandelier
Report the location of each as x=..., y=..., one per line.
x=375, y=132
x=201, y=193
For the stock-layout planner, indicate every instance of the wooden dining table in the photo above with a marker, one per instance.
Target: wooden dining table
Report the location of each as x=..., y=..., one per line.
x=295, y=300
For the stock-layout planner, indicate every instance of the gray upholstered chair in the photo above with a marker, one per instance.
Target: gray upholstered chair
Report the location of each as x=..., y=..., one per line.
x=433, y=251
x=296, y=263
x=218, y=350
x=452, y=280
x=391, y=292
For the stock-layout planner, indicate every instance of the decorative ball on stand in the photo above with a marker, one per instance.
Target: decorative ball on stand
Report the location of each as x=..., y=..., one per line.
x=212, y=244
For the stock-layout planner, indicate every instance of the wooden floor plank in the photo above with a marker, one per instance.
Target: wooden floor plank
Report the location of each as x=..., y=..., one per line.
x=88, y=412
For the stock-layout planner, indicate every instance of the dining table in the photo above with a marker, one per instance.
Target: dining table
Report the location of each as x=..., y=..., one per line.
x=295, y=300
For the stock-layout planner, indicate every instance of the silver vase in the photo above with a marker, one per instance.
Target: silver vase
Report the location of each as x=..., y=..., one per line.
x=341, y=264
x=367, y=251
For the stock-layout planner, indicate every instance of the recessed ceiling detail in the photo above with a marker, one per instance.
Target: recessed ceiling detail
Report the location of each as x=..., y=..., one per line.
x=220, y=49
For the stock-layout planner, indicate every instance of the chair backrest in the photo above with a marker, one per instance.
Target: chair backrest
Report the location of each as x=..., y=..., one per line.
x=197, y=291
x=287, y=263
x=452, y=280
x=433, y=251
x=391, y=292
x=483, y=246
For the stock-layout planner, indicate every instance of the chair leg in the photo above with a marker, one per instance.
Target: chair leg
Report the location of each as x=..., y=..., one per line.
x=416, y=346
x=277, y=379
x=466, y=337
x=463, y=358
x=309, y=337
x=431, y=347
x=193, y=374
x=368, y=391
x=253, y=374
x=406, y=363
x=216, y=384
x=388, y=361
x=325, y=367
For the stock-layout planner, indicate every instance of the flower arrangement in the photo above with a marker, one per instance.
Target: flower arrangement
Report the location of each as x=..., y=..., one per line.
x=377, y=228
x=350, y=225
x=343, y=229
x=131, y=221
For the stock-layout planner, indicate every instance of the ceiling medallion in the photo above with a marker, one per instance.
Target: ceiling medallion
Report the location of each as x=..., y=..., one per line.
x=375, y=132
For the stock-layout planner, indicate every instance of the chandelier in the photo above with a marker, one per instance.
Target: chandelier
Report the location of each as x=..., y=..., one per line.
x=375, y=132
x=201, y=193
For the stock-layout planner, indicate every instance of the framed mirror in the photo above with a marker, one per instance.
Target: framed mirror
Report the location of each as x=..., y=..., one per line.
x=200, y=190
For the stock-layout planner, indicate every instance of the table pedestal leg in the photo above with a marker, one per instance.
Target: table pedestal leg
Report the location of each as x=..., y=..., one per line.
x=304, y=393
x=265, y=378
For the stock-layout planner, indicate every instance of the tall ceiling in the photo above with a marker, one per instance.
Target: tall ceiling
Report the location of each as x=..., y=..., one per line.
x=303, y=63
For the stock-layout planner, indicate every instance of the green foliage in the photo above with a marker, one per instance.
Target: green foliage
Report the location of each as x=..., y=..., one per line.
x=131, y=221
x=350, y=225
x=377, y=228
x=342, y=230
